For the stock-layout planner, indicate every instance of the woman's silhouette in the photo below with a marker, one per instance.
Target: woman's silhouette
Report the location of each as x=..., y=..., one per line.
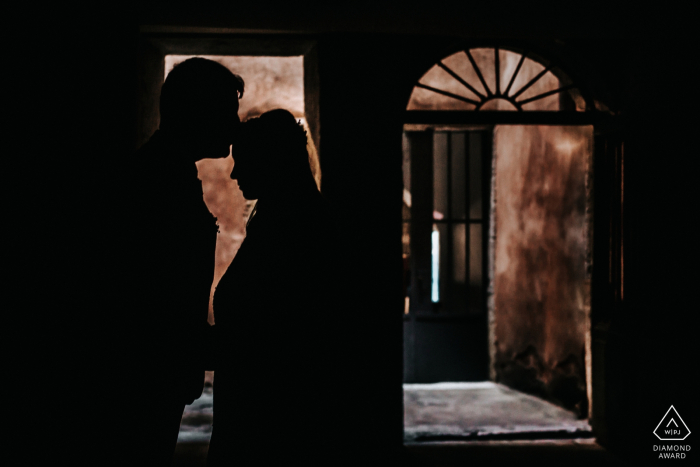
x=278, y=351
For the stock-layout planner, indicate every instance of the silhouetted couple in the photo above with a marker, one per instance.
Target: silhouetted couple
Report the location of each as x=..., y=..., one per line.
x=277, y=354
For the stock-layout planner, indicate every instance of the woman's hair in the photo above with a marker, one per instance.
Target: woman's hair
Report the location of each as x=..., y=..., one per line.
x=280, y=139
x=198, y=89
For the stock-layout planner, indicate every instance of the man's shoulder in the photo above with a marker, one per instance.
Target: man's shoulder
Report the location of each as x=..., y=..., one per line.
x=151, y=153
x=156, y=165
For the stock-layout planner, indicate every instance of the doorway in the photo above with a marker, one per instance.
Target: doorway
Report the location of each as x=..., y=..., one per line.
x=497, y=249
x=495, y=242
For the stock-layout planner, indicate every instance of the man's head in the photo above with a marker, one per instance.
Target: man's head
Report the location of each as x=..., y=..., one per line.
x=199, y=102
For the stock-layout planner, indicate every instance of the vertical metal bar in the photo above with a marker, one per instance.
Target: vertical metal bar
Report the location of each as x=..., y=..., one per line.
x=611, y=215
x=622, y=221
x=467, y=189
x=468, y=135
x=614, y=210
x=449, y=279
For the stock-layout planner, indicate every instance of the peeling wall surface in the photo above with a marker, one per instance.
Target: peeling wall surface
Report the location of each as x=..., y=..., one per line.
x=540, y=311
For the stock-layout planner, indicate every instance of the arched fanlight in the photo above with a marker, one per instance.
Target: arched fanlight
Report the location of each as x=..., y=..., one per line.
x=494, y=79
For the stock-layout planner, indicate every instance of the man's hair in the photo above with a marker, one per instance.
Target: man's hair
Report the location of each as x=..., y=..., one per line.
x=198, y=89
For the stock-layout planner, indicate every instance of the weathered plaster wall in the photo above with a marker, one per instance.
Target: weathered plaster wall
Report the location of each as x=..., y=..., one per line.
x=540, y=307
x=226, y=202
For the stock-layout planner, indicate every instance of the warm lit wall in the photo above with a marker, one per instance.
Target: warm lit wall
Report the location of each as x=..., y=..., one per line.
x=540, y=313
x=225, y=201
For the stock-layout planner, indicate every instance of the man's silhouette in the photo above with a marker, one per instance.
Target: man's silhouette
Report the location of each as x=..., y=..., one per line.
x=173, y=243
x=278, y=388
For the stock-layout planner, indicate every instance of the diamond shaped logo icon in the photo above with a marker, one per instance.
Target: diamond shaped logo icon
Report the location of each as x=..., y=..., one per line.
x=671, y=427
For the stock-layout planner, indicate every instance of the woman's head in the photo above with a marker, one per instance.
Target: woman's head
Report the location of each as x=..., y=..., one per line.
x=270, y=155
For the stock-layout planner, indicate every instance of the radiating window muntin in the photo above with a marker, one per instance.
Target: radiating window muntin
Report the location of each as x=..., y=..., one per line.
x=495, y=79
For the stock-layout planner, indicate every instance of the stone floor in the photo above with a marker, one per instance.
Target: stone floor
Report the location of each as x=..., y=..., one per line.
x=445, y=412
x=195, y=426
x=483, y=411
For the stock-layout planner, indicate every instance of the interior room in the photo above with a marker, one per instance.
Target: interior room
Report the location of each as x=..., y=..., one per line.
x=447, y=339
x=506, y=189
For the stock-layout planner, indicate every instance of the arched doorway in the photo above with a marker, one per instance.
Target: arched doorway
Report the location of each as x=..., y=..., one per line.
x=498, y=147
